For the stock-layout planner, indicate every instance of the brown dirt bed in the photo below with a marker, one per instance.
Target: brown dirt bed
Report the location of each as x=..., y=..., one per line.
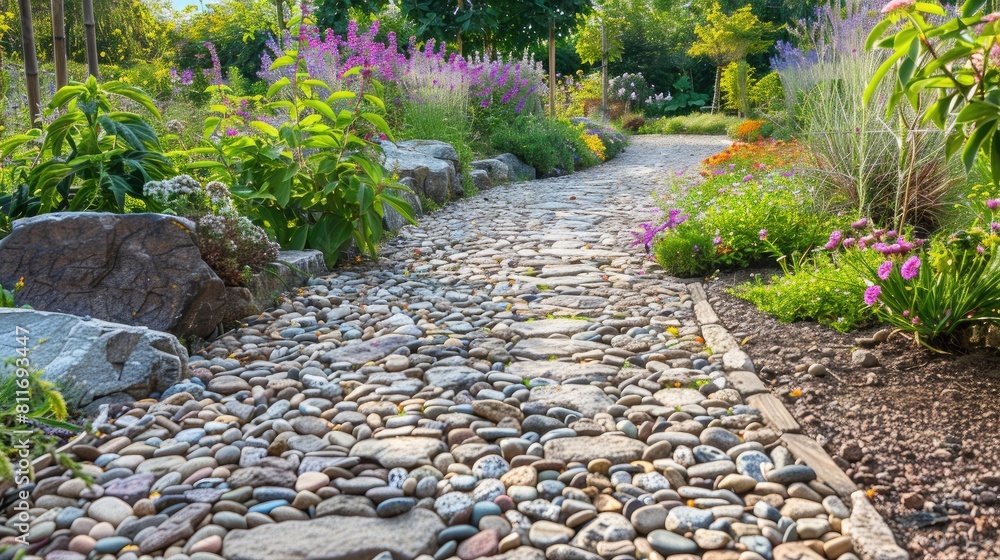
x=920, y=432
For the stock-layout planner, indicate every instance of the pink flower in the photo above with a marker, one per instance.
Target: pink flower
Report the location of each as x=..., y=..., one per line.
x=897, y=5
x=747, y=177
x=834, y=240
x=763, y=234
x=993, y=203
x=860, y=223
x=910, y=268
x=885, y=270
x=872, y=293
x=849, y=242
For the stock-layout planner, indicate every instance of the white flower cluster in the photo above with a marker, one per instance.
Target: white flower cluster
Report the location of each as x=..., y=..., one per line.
x=218, y=193
x=181, y=186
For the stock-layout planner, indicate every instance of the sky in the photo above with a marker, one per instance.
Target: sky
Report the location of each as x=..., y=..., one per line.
x=181, y=4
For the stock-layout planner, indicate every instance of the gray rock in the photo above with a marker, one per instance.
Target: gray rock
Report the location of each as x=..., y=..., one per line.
x=453, y=377
x=434, y=177
x=615, y=448
x=498, y=171
x=96, y=359
x=606, y=527
x=481, y=180
x=338, y=538
x=360, y=353
x=399, y=451
x=133, y=269
x=519, y=170
x=585, y=399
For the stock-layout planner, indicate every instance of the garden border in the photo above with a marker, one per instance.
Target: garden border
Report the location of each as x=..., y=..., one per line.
x=872, y=538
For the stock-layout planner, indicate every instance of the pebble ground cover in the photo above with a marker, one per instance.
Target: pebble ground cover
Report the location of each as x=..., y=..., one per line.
x=514, y=384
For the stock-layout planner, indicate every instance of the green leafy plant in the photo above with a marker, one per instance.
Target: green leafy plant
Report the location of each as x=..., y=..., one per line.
x=314, y=180
x=695, y=123
x=91, y=157
x=682, y=98
x=28, y=404
x=815, y=289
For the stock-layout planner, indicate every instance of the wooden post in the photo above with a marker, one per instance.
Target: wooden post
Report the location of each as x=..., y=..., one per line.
x=30, y=63
x=90, y=30
x=59, y=43
x=552, y=67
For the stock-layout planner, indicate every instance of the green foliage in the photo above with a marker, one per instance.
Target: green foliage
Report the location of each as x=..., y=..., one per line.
x=816, y=289
x=725, y=39
x=239, y=29
x=313, y=181
x=956, y=59
x=695, y=123
x=336, y=14
x=7, y=296
x=767, y=93
x=508, y=25
x=632, y=122
x=954, y=290
x=682, y=98
x=28, y=402
x=735, y=85
x=91, y=157
x=545, y=144
x=741, y=215
x=686, y=251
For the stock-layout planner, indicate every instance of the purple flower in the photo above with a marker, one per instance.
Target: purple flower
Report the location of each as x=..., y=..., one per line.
x=763, y=234
x=860, y=223
x=885, y=270
x=849, y=242
x=232, y=132
x=787, y=173
x=995, y=226
x=835, y=238
x=910, y=268
x=717, y=240
x=872, y=293
x=747, y=177
x=993, y=203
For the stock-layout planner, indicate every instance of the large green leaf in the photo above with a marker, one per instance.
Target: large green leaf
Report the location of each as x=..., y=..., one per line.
x=135, y=94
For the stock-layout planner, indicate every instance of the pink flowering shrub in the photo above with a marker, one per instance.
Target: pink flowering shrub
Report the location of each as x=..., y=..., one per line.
x=940, y=292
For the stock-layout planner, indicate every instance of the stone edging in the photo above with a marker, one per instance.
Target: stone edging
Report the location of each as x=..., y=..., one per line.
x=871, y=536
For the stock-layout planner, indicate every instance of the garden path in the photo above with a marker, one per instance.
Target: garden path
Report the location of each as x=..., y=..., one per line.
x=516, y=342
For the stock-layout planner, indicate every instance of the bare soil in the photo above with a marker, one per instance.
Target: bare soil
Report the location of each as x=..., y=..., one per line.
x=919, y=431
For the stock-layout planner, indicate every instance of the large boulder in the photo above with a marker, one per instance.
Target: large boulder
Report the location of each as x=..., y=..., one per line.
x=432, y=148
x=94, y=359
x=434, y=178
x=133, y=269
x=497, y=171
x=519, y=170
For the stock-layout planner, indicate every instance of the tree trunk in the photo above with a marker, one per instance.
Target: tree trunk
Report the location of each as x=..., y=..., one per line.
x=30, y=62
x=604, y=69
x=552, y=68
x=718, y=82
x=59, y=43
x=90, y=30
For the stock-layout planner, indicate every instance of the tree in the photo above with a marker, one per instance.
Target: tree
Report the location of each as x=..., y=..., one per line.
x=498, y=26
x=90, y=30
x=59, y=43
x=335, y=14
x=725, y=39
x=30, y=62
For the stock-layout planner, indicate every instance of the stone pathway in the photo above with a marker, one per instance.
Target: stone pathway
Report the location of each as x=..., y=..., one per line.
x=511, y=381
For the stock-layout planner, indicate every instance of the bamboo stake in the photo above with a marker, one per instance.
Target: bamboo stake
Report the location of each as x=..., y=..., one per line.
x=90, y=30
x=30, y=62
x=59, y=43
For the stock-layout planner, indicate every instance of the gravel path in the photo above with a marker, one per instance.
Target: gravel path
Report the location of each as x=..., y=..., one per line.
x=510, y=381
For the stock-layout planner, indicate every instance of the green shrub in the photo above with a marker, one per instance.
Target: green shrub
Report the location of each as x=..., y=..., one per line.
x=767, y=93
x=695, y=123
x=685, y=252
x=544, y=144
x=814, y=290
